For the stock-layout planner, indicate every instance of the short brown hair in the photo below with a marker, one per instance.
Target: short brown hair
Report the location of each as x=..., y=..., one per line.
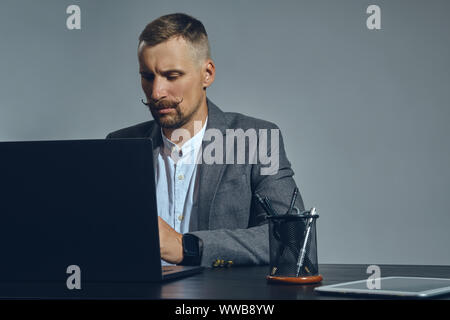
x=177, y=25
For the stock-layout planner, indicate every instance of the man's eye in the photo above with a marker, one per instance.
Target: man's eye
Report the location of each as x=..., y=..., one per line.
x=172, y=77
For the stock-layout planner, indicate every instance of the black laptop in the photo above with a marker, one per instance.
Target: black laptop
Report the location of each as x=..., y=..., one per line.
x=84, y=203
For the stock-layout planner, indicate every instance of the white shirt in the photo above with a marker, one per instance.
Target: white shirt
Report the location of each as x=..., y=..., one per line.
x=176, y=186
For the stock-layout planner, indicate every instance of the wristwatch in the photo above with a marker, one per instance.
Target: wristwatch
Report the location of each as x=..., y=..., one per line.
x=192, y=250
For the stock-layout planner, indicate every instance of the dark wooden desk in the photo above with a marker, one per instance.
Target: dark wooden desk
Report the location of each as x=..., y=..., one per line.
x=236, y=283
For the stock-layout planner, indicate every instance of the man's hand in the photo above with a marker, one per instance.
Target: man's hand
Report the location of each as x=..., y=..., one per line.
x=171, y=243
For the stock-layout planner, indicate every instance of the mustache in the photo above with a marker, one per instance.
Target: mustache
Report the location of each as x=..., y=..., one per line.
x=162, y=104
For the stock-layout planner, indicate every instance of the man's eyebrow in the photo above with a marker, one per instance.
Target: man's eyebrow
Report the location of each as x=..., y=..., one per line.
x=165, y=72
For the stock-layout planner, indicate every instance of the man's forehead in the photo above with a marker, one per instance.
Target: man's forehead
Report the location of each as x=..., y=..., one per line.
x=173, y=53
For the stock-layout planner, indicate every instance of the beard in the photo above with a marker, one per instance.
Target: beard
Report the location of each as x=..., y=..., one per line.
x=172, y=120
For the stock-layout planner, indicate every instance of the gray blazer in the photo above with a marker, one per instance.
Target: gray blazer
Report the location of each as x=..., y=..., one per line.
x=227, y=216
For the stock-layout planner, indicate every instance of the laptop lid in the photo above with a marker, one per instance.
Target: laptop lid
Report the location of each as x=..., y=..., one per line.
x=85, y=203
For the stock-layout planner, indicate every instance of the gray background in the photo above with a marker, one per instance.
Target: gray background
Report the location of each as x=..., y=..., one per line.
x=364, y=113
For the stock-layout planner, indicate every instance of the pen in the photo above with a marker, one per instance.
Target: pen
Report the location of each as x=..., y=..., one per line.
x=269, y=206
x=294, y=197
x=301, y=257
x=263, y=204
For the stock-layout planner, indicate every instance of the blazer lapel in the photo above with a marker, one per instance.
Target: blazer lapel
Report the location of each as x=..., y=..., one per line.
x=208, y=175
x=154, y=133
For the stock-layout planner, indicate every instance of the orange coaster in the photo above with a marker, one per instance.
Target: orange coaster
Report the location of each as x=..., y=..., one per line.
x=296, y=280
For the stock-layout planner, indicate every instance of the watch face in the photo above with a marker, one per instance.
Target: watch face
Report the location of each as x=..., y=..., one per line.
x=191, y=250
x=190, y=245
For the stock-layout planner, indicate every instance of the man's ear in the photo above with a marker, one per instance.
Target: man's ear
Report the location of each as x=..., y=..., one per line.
x=209, y=73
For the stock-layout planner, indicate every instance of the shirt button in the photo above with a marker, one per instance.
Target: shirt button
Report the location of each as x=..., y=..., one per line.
x=180, y=177
x=180, y=217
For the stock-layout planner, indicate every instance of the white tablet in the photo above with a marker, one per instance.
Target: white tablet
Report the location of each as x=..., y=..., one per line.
x=393, y=286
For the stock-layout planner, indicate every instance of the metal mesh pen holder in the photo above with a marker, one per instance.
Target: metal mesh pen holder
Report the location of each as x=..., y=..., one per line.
x=293, y=248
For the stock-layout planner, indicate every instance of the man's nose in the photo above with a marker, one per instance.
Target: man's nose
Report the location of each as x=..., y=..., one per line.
x=158, y=88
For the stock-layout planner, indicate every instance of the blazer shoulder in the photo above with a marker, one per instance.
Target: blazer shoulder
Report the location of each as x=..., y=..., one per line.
x=241, y=121
x=140, y=130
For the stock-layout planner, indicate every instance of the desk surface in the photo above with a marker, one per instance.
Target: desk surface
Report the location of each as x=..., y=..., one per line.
x=246, y=283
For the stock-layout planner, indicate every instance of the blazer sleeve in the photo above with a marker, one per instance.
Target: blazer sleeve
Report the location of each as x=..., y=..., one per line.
x=250, y=246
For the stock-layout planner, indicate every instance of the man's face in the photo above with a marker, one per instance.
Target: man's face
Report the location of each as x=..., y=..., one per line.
x=172, y=82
